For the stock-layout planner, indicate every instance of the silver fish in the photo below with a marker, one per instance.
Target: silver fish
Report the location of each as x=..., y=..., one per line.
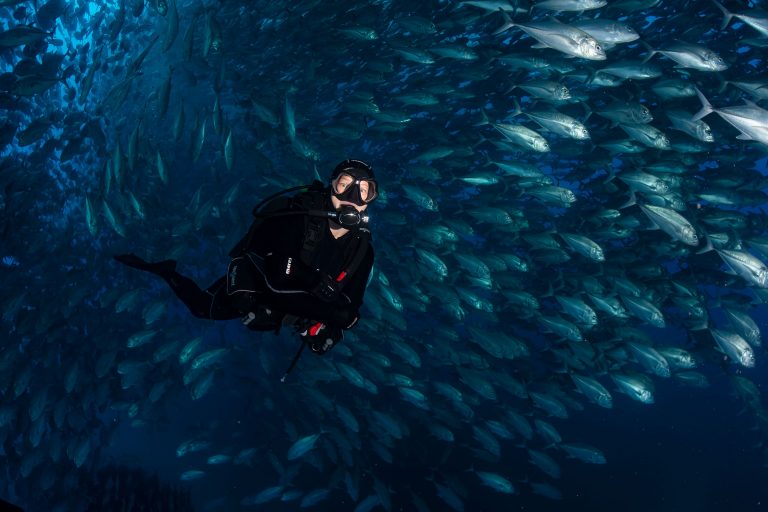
x=559, y=123
x=607, y=31
x=750, y=120
x=559, y=36
x=747, y=266
x=682, y=120
x=693, y=56
x=570, y=5
x=593, y=390
x=647, y=135
x=735, y=347
x=756, y=21
x=636, y=386
x=672, y=223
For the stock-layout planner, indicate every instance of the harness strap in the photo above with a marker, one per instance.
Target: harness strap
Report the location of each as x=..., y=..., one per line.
x=359, y=254
x=312, y=234
x=314, y=199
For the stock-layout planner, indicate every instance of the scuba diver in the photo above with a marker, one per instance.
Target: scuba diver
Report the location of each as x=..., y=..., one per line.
x=304, y=262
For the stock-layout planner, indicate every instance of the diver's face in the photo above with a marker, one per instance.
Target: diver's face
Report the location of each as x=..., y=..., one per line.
x=346, y=188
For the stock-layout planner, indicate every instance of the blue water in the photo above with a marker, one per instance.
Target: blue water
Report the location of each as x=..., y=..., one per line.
x=691, y=450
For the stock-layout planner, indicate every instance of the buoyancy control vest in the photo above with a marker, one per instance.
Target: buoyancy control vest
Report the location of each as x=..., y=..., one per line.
x=314, y=203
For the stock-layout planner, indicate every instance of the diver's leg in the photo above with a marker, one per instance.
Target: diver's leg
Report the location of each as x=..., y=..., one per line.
x=211, y=303
x=221, y=306
x=161, y=268
x=197, y=301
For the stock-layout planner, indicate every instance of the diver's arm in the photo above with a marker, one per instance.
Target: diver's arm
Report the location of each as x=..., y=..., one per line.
x=345, y=310
x=355, y=288
x=338, y=315
x=323, y=322
x=290, y=286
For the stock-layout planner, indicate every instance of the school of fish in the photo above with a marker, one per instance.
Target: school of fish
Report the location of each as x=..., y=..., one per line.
x=572, y=208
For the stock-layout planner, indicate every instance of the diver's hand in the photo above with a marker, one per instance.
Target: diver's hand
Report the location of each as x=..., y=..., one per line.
x=262, y=319
x=250, y=322
x=321, y=338
x=249, y=318
x=327, y=290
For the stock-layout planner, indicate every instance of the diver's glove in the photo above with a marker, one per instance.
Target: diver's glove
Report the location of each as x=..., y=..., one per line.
x=262, y=319
x=327, y=290
x=321, y=338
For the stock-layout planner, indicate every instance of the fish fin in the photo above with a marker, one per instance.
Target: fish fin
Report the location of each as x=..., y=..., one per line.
x=485, y=120
x=744, y=136
x=699, y=327
x=482, y=139
x=727, y=15
x=723, y=83
x=632, y=201
x=706, y=107
x=708, y=247
x=539, y=46
x=750, y=103
x=591, y=77
x=729, y=269
x=518, y=110
x=508, y=23
x=653, y=227
x=651, y=51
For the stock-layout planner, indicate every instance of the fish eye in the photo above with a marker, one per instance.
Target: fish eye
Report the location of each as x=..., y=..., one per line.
x=598, y=47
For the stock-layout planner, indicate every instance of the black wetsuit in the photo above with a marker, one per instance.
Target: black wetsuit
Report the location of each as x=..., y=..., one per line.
x=270, y=241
